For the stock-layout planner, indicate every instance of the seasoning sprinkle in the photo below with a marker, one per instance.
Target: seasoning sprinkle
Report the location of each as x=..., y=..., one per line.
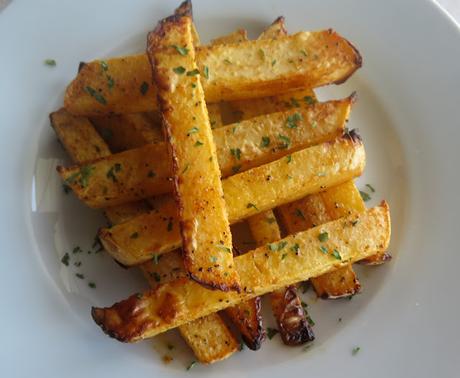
x=249, y=205
x=236, y=152
x=144, y=88
x=65, y=259
x=97, y=96
x=271, y=332
x=366, y=197
x=265, y=141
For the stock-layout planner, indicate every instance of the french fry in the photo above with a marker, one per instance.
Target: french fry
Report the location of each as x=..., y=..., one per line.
x=343, y=200
x=119, y=178
x=309, y=212
x=261, y=271
x=285, y=180
x=205, y=229
x=257, y=69
x=290, y=316
x=78, y=136
x=127, y=131
x=145, y=171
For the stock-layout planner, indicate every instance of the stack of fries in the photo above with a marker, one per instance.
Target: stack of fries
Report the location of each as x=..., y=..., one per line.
x=171, y=199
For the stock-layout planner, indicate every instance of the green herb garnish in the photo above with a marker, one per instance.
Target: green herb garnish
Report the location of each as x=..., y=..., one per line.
x=289, y=158
x=309, y=100
x=92, y=285
x=192, y=364
x=79, y=275
x=97, y=96
x=193, y=130
x=144, y=88
x=227, y=61
x=236, y=168
x=111, y=174
x=181, y=50
x=355, y=350
x=292, y=120
x=299, y=213
x=323, y=236
x=336, y=254
x=295, y=248
x=273, y=62
x=286, y=141
x=371, y=188
x=366, y=197
x=198, y=143
x=50, y=62
x=65, y=259
x=206, y=72
x=265, y=141
x=236, y=152
x=271, y=332
x=179, y=70
x=224, y=248
x=193, y=72
x=323, y=249
x=249, y=205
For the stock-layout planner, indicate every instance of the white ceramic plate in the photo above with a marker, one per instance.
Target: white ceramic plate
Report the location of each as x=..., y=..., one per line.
x=406, y=319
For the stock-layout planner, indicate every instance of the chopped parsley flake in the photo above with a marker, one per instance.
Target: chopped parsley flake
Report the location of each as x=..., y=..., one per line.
x=144, y=88
x=303, y=52
x=249, y=205
x=185, y=168
x=193, y=130
x=323, y=249
x=271, y=220
x=227, y=61
x=289, y=158
x=193, y=72
x=213, y=259
x=79, y=275
x=97, y=96
x=355, y=350
x=292, y=120
x=224, y=248
x=295, y=248
x=50, y=62
x=192, y=364
x=271, y=332
x=314, y=124
x=355, y=222
x=179, y=70
x=65, y=259
x=265, y=141
x=82, y=176
x=283, y=256
x=323, y=236
x=286, y=141
x=236, y=152
x=198, y=143
x=299, y=213
x=155, y=276
x=111, y=174
x=92, y=285
x=336, y=254
x=156, y=259
x=236, y=168
x=77, y=249
x=206, y=72
x=294, y=103
x=310, y=321
x=366, y=197
x=104, y=65
x=181, y=50
x=273, y=62
x=371, y=188
x=309, y=100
